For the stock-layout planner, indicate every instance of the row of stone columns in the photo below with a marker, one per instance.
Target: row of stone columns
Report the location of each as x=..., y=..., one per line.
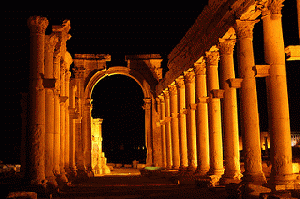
x=191, y=123
x=49, y=134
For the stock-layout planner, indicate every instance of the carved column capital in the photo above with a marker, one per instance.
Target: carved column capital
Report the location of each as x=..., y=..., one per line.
x=161, y=98
x=212, y=58
x=200, y=67
x=50, y=42
x=37, y=24
x=166, y=94
x=172, y=89
x=189, y=77
x=275, y=6
x=226, y=46
x=180, y=82
x=147, y=104
x=244, y=29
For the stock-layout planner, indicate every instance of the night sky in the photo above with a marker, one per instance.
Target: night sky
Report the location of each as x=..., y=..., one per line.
x=119, y=99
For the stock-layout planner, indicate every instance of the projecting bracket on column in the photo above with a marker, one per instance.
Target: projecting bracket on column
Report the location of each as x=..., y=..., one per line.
x=73, y=113
x=262, y=70
x=217, y=93
x=203, y=100
x=49, y=83
x=292, y=52
x=193, y=106
x=63, y=98
x=234, y=82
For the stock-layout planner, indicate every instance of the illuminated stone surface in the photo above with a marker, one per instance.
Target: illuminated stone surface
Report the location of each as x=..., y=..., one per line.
x=183, y=124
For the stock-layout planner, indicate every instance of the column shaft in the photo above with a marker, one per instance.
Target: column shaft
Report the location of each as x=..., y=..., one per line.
x=182, y=123
x=174, y=126
x=189, y=80
x=279, y=128
x=169, y=161
x=163, y=130
x=230, y=119
x=202, y=119
x=37, y=27
x=249, y=110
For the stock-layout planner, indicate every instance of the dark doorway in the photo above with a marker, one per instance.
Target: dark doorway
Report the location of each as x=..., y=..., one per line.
x=118, y=100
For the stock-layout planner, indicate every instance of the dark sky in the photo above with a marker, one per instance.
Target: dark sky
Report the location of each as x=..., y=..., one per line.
x=119, y=33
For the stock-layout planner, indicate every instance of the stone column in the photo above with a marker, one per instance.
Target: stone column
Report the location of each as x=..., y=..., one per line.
x=163, y=129
x=87, y=139
x=49, y=84
x=37, y=26
x=189, y=80
x=279, y=128
x=182, y=122
x=169, y=161
x=202, y=130
x=67, y=121
x=174, y=126
x=73, y=115
x=56, y=151
x=230, y=120
x=214, y=109
x=249, y=110
x=148, y=131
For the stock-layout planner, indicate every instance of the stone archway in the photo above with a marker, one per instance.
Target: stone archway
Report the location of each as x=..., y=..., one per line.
x=89, y=70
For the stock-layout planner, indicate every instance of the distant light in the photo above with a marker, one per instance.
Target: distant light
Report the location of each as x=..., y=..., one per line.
x=143, y=148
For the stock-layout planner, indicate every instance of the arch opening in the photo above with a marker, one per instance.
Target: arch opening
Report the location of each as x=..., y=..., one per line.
x=118, y=99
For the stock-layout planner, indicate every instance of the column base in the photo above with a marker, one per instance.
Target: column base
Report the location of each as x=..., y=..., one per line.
x=282, y=182
x=254, y=178
x=231, y=177
x=52, y=185
x=72, y=174
x=175, y=167
x=201, y=172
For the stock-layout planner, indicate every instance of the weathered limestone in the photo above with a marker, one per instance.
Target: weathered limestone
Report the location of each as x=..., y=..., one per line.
x=282, y=176
x=232, y=172
x=174, y=126
x=214, y=119
x=49, y=84
x=202, y=129
x=249, y=110
x=189, y=80
x=163, y=129
x=37, y=26
x=182, y=122
x=148, y=130
x=169, y=160
x=86, y=135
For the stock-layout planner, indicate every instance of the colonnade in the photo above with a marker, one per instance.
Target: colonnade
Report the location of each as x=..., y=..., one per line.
x=202, y=142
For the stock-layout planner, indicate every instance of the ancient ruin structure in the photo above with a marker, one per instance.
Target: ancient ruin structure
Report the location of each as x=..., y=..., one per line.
x=183, y=125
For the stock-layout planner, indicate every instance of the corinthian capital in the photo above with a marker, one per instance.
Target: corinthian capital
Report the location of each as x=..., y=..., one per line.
x=244, y=29
x=275, y=6
x=50, y=42
x=172, y=89
x=37, y=24
x=212, y=58
x=200, y=67
x=189, y=77
x=226, y=46
x=179, y=82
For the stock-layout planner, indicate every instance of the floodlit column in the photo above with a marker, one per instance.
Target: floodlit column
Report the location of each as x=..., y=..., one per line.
x=168, y=131
x=182, y=122
x=248, y=98
x=279, y=128
x=163, y=129
x=230, y=120
x=189, y=80
x=62, y=124
x=174, y=126
x=37, y=26
x=56, y=146
x=73, y=116
x=202, y=130
x=49, y=83
x=148, y=133
x=214, y=109
x=67, y=121
x=87, y=137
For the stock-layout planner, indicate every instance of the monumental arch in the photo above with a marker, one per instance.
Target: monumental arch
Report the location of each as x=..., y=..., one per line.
x=182, y=108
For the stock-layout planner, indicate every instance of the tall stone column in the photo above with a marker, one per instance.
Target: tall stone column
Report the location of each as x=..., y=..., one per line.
x=37, y=26
x=87, y=137
x=279, y=128
x=189, y=80
x=49, y=84
x=73, y=115
x=182, y=123
x=169, y=161
x=67, y=130
x=230, y=111
x=214, y=119
x=202, y=130
x=163, y=129
x=174, y=126
x=56, y=146
x=249, y=110
x=148, y=131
